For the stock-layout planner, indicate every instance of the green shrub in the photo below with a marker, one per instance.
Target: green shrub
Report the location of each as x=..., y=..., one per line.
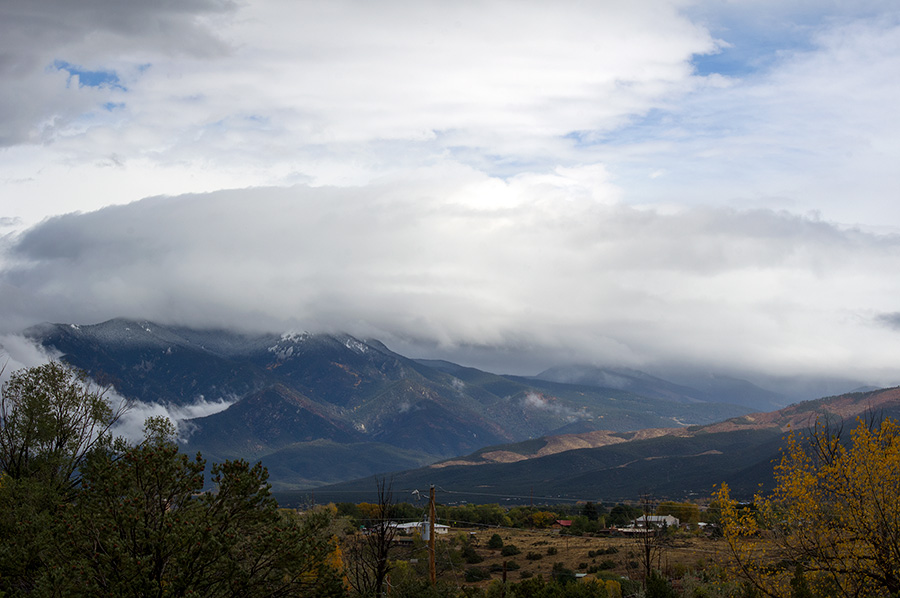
x=659, y=587
x=470, y=555
x=474, y=574
x=562, y=574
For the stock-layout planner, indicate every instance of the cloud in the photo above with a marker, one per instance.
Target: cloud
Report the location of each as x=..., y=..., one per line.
x=891, y=320
x=39, y=102
x=811, y=131
x=17, y=352
x=213, y=95
x=216, y=95
x=532, y=266
x=131, y=425
x=542, y=403
x=406, y=407
x=350, y=71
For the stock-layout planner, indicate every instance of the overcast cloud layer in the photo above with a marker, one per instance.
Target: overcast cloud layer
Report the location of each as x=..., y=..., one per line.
x=637, y=183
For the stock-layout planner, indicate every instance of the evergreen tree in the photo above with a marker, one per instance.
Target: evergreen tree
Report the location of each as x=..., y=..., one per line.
x=143, y=526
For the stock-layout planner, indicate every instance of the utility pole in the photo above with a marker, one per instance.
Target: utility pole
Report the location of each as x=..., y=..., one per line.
x=431, y=517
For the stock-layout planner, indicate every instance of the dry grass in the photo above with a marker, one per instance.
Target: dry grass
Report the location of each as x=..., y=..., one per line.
x=540, y=550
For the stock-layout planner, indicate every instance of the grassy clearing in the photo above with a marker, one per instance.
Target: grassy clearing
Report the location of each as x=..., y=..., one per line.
x=545, y=552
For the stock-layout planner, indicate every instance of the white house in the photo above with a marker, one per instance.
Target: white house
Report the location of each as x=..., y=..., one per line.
x=645, y=521
x=421, y=527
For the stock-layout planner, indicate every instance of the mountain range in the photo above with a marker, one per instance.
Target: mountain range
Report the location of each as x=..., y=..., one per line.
x=324, y=408
x=602, y=466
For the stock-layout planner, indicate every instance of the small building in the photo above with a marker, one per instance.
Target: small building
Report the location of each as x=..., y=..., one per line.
x=421, y=527
x=657, y=521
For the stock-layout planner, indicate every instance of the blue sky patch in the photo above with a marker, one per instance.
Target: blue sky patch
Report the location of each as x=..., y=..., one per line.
x=748, y=55
x=726, y=63
x=88, y=78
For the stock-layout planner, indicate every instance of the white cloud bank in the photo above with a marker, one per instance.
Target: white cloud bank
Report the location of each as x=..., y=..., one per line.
x=541, y=267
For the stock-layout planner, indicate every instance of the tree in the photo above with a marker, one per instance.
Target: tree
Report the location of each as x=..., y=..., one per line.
x=369, y=550
x=831, y=526
x=143, y=526
x=82, y=514
x=542, y=519
x=581, y=525
x=685, y=512
x=51, y=420
x=651, y=542
x=622, y=514
x=659, y=587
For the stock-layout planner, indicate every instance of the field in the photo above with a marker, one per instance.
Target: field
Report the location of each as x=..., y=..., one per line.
x=538, y=552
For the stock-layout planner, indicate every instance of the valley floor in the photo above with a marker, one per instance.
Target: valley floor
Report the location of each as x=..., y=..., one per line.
x=544, y=551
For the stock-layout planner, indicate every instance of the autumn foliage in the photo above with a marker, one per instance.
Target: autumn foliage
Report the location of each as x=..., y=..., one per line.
x=831, y=526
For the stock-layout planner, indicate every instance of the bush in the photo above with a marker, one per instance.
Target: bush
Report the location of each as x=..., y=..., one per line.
x=470, y=555
x=552, y=550
x=659, y=587
x=510, y=550
x=561, y=574
x=496, y=542
x=607, y=564
x=509, y=565
x=474, y=574
x=534, y=556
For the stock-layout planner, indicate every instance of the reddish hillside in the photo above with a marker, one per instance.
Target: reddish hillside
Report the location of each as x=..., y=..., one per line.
x=803, y=415
x=794, y=417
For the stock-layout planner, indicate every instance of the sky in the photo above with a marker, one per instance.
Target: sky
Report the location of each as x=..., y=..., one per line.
x=510, y=185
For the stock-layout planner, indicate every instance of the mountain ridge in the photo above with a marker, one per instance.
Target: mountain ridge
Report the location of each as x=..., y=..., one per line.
x=674, y=463
x=337, y=388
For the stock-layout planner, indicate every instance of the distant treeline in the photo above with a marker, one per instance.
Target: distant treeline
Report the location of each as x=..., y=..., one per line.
x=586, y=517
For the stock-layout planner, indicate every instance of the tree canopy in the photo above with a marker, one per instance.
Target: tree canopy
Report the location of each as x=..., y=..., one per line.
x=51, y=420
x=81, y=515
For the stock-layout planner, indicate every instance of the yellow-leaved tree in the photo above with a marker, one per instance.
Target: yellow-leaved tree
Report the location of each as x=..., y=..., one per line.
x=831, y=526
